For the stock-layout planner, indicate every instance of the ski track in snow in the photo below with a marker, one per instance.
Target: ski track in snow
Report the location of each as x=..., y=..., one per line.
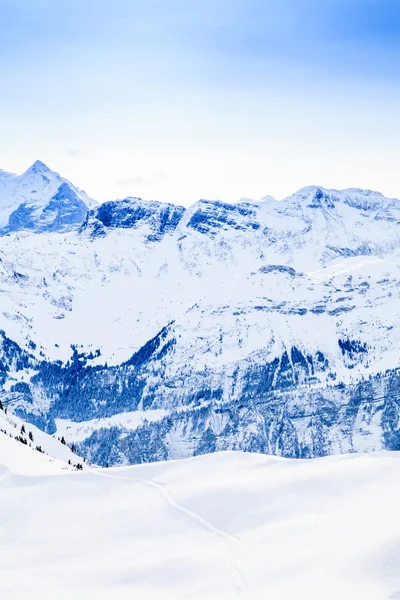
x=235, y=574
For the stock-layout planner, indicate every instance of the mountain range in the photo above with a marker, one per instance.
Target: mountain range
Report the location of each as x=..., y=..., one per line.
x=143, y=331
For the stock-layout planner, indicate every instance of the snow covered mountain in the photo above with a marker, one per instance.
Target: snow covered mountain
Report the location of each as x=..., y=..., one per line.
x=40, y=200
x=155, y=331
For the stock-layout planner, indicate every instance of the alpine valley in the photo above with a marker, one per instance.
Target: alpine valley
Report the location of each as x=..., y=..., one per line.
x=141, y=331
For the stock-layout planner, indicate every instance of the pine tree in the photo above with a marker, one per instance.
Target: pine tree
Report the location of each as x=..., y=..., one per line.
x=63, y=440
x=31, y=436
x=22, y=429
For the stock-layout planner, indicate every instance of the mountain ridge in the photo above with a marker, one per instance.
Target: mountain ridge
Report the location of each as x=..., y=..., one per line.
x=315, y=192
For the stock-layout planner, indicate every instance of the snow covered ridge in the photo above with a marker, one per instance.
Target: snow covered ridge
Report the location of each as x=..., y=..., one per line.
x=52, y=448
x=40, y=200
x=153, y=332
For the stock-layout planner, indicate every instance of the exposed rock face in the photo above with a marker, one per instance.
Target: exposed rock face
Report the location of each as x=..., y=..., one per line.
x=133, y=213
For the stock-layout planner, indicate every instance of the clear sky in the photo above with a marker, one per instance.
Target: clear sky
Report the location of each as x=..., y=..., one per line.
x=178, y=100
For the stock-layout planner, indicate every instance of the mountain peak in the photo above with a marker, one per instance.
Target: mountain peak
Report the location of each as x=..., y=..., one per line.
x=38, y=167
x=267, y=198
x=41, y=200
x=314, y=190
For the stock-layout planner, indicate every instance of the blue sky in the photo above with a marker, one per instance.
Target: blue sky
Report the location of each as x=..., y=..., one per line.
x=177, y=100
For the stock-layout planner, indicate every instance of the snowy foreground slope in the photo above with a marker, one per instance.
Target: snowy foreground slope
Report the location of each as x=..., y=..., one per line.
x=36, y=442
x=227, y=525
x=145, y=331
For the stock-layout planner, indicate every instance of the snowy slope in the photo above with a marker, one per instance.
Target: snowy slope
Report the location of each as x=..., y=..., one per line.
x=40, y=200
x=217, y=527
x=26, y=435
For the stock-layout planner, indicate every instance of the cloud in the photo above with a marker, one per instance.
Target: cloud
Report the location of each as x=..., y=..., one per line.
x=76, y=153
x=139, y=179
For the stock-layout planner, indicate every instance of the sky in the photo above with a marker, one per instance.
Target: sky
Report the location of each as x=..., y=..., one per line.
x=177, y=100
